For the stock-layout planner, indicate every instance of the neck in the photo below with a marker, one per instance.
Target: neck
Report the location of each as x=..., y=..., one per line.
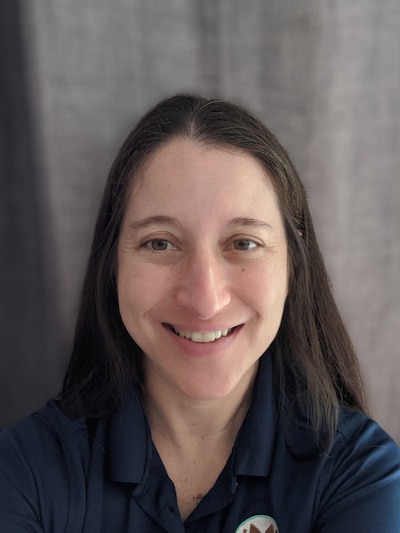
x=184, y=421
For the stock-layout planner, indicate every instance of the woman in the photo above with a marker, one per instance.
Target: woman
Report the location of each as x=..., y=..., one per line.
x=212, y=385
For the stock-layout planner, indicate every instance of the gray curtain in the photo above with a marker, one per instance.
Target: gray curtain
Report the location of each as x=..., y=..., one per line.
x=323, y=75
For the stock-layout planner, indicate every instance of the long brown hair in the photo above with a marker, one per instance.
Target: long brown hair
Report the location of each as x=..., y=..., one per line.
x=315, y=366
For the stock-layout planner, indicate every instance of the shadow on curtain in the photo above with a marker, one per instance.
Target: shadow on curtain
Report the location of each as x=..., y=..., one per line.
x=29, y=328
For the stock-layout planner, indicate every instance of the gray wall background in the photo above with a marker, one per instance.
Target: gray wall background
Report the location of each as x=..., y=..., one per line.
x=324, y=75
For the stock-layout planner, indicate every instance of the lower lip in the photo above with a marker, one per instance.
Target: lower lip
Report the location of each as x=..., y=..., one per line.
x=204, y=348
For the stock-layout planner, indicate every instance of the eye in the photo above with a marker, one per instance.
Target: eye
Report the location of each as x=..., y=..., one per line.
x=158, y=245
x=244, y=244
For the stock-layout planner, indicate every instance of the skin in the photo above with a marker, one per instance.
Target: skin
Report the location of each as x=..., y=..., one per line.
x=202, y=252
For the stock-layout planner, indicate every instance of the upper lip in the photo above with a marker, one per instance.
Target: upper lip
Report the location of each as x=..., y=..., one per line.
x=201, y=328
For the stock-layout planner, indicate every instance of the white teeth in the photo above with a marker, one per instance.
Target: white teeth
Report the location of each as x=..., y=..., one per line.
x=197, y=336
x=202, y=337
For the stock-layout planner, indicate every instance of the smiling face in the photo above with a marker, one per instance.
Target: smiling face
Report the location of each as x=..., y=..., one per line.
x=202, y=272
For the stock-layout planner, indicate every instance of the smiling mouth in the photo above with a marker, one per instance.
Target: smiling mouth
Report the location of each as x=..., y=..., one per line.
x=202, y=337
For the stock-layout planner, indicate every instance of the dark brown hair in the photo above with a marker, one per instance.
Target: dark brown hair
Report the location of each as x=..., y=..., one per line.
x=314, y=362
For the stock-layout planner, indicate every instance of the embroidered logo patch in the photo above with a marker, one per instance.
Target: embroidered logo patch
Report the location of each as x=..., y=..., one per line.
x=258, y=524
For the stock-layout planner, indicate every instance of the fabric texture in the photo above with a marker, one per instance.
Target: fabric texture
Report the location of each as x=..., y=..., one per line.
x=59, y=475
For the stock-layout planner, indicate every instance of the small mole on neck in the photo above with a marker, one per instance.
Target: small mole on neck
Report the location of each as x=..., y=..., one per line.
x=198, y=498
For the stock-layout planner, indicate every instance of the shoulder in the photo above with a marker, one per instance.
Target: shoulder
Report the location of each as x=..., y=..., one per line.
x=51, y=417
x=47, y=430
x=360, y=483
x=358, y=434
x=363, y=450
x=41, y=458
x=354, y=481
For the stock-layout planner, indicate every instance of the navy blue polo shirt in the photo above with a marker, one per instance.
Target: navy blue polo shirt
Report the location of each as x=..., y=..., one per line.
x=56, y=476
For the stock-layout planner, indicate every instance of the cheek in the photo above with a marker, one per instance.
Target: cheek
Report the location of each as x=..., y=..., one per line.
x=131, y=291
x=140, y=287
x=264, y=286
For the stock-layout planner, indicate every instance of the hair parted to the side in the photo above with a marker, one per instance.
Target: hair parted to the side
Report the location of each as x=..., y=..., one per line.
x=314, y=361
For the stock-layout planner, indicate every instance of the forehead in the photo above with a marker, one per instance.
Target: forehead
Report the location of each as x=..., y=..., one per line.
x=190, y=162
x=204, y=188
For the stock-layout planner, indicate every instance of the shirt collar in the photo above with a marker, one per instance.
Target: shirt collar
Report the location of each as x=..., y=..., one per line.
x=129, y=444
x=256, y=439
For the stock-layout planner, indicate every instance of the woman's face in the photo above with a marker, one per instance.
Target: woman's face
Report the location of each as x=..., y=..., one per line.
x=202, y=267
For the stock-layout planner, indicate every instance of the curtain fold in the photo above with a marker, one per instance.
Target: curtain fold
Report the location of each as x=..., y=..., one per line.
x=28, y=331
x=324, y=76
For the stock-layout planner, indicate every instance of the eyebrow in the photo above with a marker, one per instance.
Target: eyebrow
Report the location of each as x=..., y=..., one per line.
x=253, y=222
x=166, y=220
x=153, y=220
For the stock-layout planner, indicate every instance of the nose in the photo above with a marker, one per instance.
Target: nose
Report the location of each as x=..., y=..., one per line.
x=203, y=287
